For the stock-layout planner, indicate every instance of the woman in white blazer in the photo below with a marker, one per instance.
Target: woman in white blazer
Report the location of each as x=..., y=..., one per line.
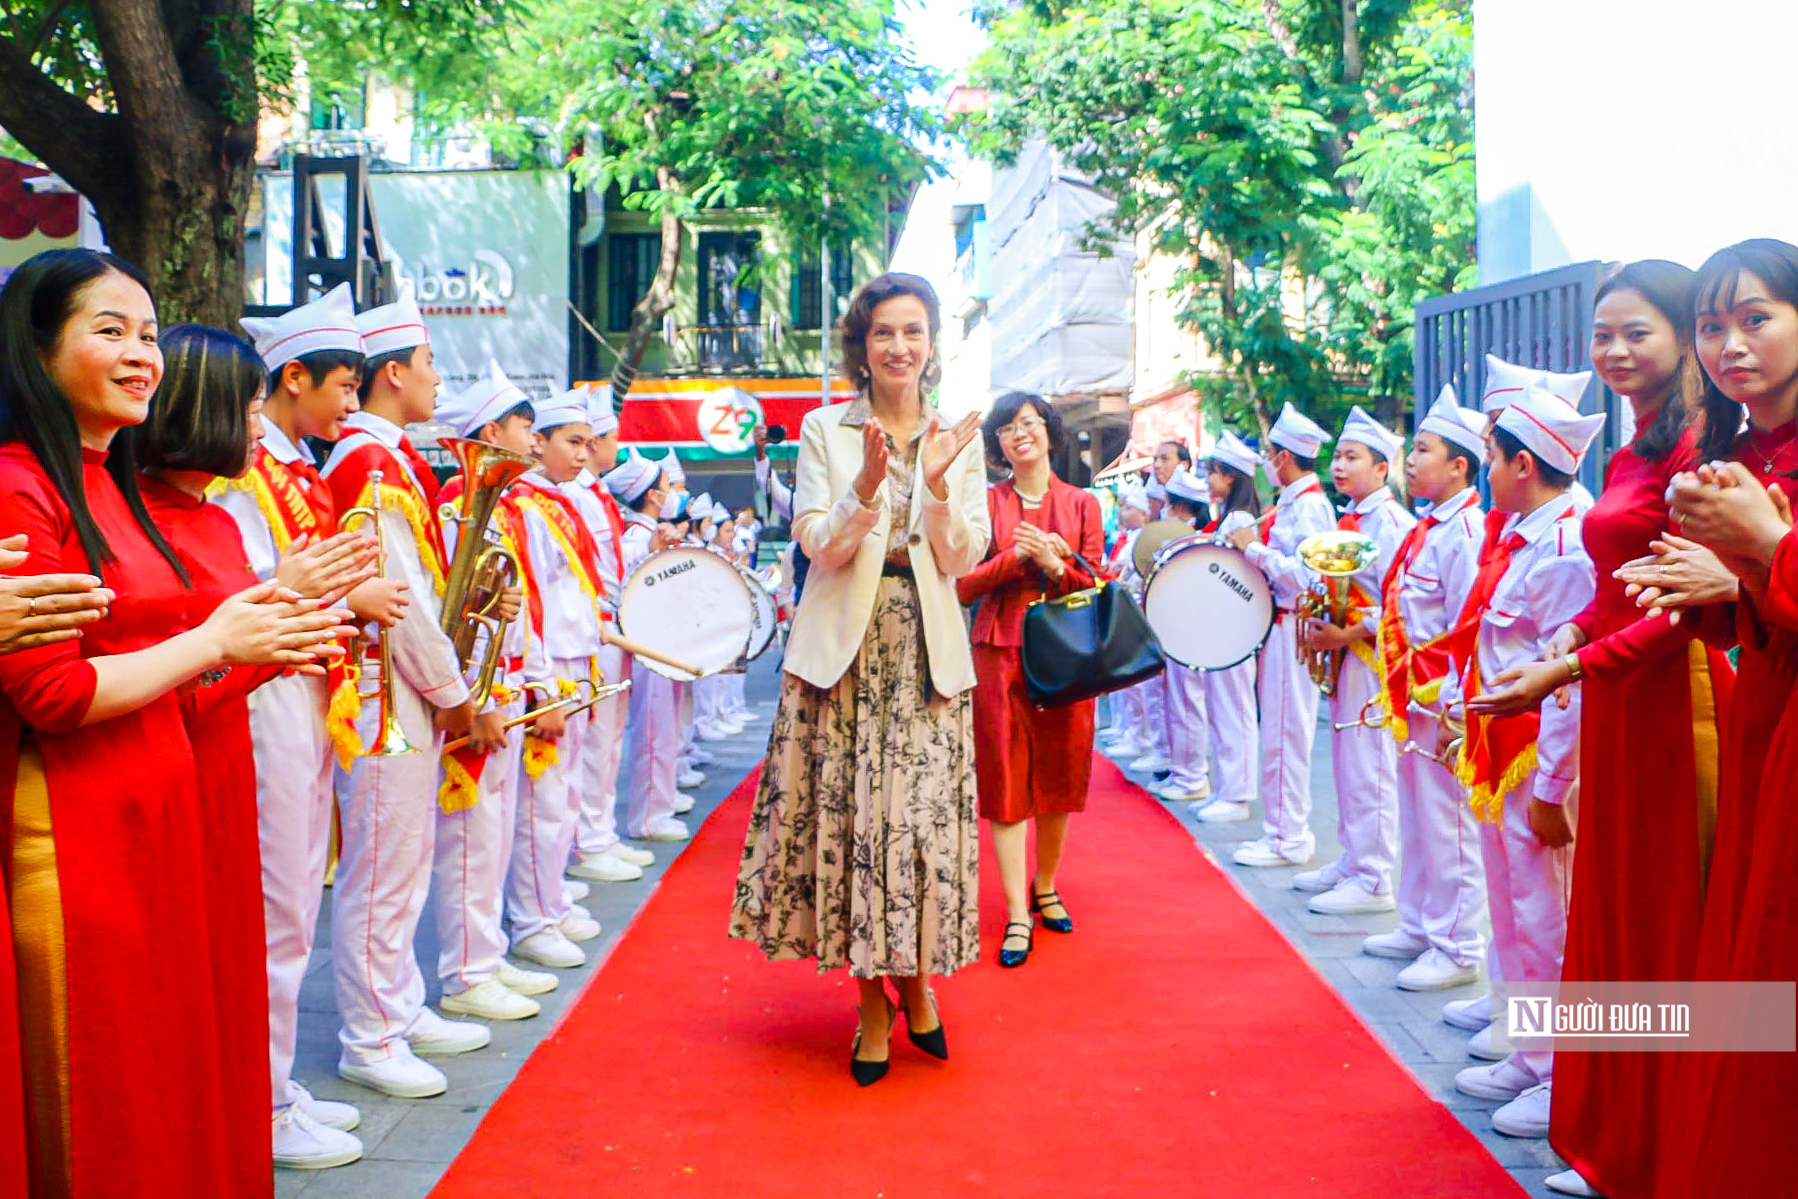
x=863, y=850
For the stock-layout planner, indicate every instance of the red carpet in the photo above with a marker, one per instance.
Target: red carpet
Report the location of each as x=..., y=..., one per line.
x=1174, y=1045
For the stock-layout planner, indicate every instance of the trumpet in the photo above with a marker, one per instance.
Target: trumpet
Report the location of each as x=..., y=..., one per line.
x=480, y=572
x=390, y=740
x=1449, y=754
x=1363, y=720
x=1336, y=558
x=573, y=705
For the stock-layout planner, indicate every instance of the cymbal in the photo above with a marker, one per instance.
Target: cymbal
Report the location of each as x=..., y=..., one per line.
x=1154, y=535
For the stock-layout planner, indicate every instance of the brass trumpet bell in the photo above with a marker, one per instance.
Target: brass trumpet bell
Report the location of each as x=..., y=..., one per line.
x=1335, y=558
x=480, y=571
x=390, y=740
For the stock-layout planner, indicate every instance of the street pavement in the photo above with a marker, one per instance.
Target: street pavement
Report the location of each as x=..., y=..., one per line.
x=410, y=1143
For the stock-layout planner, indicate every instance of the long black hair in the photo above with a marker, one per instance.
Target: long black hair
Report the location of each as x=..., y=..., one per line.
x=37, y=302
x=1667, y=286
x=1774, y=263
x=1243, y=497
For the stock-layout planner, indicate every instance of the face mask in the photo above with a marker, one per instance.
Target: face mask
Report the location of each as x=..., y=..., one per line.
x=673, y=505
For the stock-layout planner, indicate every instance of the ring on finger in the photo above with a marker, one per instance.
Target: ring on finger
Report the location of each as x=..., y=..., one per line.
x=31, y=607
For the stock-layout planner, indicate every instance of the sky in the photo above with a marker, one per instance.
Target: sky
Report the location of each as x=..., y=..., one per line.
x=941, y=34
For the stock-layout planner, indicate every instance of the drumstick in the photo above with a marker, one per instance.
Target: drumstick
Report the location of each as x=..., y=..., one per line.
x=637, y=649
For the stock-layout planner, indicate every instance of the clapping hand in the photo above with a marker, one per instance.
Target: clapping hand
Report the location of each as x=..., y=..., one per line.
x=332, y=567
x=1679, y=574
x=1725, y=507
x=269, y=625
x=42, y=609
x=1033, y=544
x=943, y=446
x=874, y=461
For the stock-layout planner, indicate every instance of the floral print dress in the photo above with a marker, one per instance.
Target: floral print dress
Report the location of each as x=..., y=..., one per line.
x=864, y=845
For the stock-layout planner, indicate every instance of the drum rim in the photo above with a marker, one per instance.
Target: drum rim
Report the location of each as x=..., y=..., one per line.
x=681, y=676
x=757, y=587
x=1212, y=541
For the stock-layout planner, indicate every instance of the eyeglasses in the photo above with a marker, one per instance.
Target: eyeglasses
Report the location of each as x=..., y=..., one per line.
x=1024, y=426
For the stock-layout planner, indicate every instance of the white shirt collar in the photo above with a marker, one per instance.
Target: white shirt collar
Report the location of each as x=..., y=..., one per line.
x=1371, y=501
x=586, y=478
x=278, y=447
x=377, y=427
x=1532, y=527
x=1466, y=498
x=1296, y=488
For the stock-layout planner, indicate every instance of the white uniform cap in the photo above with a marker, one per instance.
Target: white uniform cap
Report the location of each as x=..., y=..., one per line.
x=1552, y=429
x=393, y=327
x=1505, y=381
x=1297, y=433
x=486, y=399
x=1233, y=452
x=601, y=417
x=1451, y=422
x=1186, y=486
x=700, y=507
x=1155, y=489
x=632, y=478
x=1363, y=428
x=671, y=467
x=567, y=408
x=1134, y=495
x=327, y=323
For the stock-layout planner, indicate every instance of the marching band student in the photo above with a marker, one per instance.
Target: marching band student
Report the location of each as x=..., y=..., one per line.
x=547, y=926
x=1362, y=757
x=1288, y=695
x=599, y=856
x=1230, y=694
x=641, y=486
x=1441, y=881
x=1121, y=737
x=478, y=800
x=1520, y=770
x=1505, y=381
x=387, y=802
x=314, y=359
x=1188, y=725
x=1153, y=690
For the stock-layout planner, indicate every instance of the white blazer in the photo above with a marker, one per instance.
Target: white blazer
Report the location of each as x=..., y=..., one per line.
x=847, y=543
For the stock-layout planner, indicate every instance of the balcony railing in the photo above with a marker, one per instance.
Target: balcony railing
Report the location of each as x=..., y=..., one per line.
x=721, y=347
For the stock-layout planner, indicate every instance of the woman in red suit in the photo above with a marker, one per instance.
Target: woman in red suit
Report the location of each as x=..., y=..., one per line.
x=203, y=426
x=1654, y=705
x=107, y=857
x=1030, y=763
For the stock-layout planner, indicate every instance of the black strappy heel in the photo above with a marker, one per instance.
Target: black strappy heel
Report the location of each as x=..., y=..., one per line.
x=1017, y=957
x=1049, y=899
x=868, y=1073
x=933, y=1042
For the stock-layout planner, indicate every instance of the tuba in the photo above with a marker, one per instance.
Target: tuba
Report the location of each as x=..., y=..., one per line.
x=390, y=740
x=480, y=571
x=1335, y=558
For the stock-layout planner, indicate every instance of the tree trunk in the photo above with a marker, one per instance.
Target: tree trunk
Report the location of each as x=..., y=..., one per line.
x=1351, y=43
x=185, y=231
x=657, y=302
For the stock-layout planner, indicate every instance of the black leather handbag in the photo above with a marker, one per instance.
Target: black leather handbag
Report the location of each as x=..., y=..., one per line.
x=1086, y=644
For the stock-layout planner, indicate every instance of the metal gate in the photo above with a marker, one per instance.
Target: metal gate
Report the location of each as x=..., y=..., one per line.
x=1542, y=321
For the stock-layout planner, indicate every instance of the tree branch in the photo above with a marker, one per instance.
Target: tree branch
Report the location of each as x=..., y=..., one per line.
x=144, y=73
x=75, y=141
x=44, y=28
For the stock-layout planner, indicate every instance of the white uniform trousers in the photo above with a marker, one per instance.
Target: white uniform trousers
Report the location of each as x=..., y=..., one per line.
x=683, y=693
x=1526, y=886
x=1155, y=704
x=468, y=879
x=548, y=810
x=655, y=744
x=735, y=698
x=596, y=832
x=1132, y=713
x=1364, y=762
x=293, y=826
x=1441, y=880
x=1288, y=731
x=389, y=808
x=1235, y=731
x=1188, y=729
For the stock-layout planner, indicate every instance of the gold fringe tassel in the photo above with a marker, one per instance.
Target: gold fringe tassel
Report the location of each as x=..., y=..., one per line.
x=1488, y=799
x=460, y=790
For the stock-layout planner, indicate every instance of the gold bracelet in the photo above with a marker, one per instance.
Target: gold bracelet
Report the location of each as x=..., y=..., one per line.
x=1575, y=671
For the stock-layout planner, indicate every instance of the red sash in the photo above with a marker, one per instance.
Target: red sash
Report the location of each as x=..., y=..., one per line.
x=570, y=532
x=351, y=488
x=1391, y=642
x=1273, y=513
x=615, y=519
x=508, y=522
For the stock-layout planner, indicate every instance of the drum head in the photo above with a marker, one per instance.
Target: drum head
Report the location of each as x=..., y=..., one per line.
x=767, y=614
x=1210, y=607
x=1154, y=535
x=692, y=605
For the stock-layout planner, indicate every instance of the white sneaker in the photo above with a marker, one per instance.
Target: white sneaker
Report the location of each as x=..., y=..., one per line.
x=302, y=1143
x=1351, y=898
x=729, y=727
x=633, y=855
x=550, y=948
x=342, y=1116
x=403, y=1075
x=575, y=890
x=525, y=982
x=1220, y=811
x=1569, y=1182
x=689, y=778
x=1397, y=944
x=683, y=804
x=706, y=731
x=744, y=716
x=1126, y=748
x=1470, y=1014
x=607, y=867
x=433, y=1036
x=1435, y=971
x=1480, y=1045
x=580, y=910
x=1175, y=794
x=491, y=1000
x=1526, y=1115
x=700, y=756
x=577, y=927
x=666, y=829
x=1260, y=853
x=1324, y=878
x=1150, y=762
x=1503, y=1081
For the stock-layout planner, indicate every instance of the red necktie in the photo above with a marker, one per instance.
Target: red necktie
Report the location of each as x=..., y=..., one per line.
x=1495, y=559
x=421, y=470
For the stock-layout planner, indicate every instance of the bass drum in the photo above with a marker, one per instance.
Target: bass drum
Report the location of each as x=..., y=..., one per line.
x=767, y=614
x=692, y=605
x=1210, y=607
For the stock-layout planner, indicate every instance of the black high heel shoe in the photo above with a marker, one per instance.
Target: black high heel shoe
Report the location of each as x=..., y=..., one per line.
x=868, y=1073
x=1049, y=899
x=1017, y=957
x=932, y=1042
